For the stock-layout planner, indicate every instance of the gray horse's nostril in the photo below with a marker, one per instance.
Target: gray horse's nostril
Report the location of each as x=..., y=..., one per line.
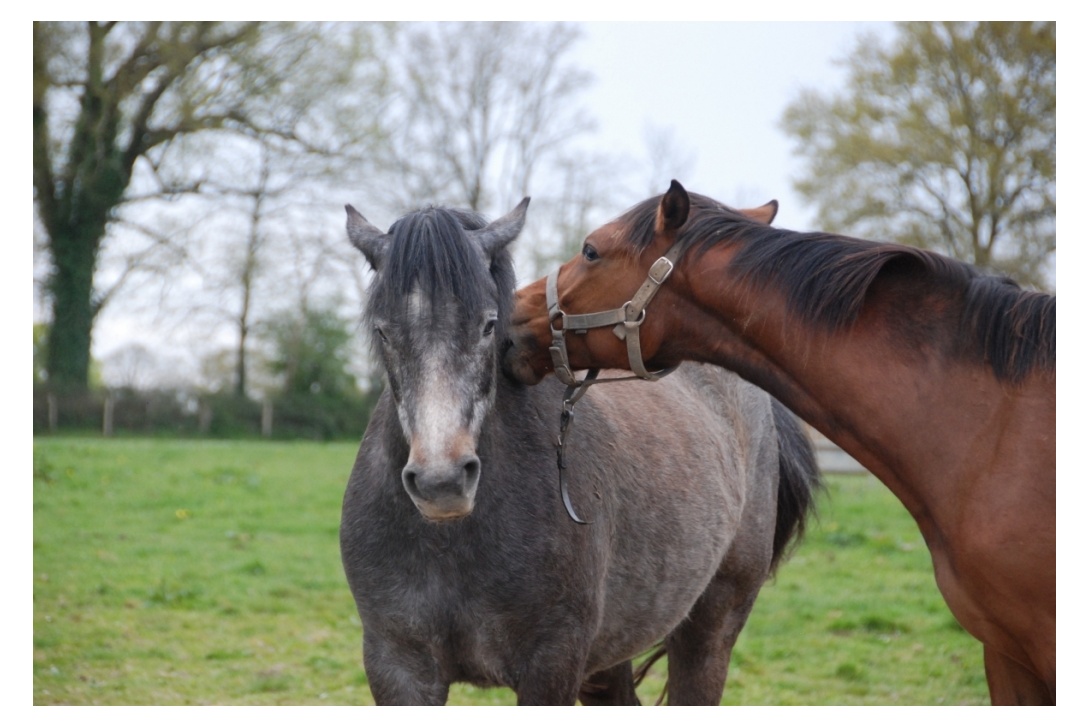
x=472, y=469
x=408, y=478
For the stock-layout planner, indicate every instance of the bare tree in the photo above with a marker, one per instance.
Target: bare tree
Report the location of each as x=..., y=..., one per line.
x=666, y=158
x=483, y=114
x=581, y=192
x=249, y=266
x=481, y=107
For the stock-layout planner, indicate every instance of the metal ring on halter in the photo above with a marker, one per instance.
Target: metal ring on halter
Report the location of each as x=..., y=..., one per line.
x=639, y=319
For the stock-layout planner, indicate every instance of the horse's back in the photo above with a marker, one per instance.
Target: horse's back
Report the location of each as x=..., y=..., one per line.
x=702, y=421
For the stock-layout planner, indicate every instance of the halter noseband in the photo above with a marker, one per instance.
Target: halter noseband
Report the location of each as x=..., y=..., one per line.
x=626, y=321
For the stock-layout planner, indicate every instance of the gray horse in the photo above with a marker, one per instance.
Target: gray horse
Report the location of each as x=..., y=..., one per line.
x=463, y=561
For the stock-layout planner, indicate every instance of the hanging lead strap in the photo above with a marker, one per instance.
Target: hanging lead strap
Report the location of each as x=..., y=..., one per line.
x=567, y=415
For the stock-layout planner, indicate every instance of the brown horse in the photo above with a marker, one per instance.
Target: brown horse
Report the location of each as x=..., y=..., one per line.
x=939, y=379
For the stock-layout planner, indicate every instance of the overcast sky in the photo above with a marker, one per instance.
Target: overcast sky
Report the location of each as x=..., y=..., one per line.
x=722, y=88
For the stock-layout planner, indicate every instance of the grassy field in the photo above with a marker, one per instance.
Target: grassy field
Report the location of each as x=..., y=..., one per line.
x=194, y=572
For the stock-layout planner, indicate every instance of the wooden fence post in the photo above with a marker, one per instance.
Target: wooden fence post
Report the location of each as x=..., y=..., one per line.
x=108, y=415
x=266, y=418
x=51, y=407
x=204, y=416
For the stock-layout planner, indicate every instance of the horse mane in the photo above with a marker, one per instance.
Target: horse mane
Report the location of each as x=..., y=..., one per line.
x=826, y=279
x=429, y=250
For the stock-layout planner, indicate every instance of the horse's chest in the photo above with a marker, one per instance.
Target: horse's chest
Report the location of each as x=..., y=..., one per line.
x=456, y=615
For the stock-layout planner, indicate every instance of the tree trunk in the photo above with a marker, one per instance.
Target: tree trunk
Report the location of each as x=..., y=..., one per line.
x=75, y=207
x=71, y=285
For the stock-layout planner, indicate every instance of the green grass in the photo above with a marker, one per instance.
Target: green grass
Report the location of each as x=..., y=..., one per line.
x=196, y=572
x=191, y=573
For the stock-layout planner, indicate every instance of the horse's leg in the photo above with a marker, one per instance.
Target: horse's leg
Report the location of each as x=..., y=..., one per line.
x=699, y=648
x=1011, y=683
x=547, y=689
x=402, y=677
x=552, y=674
x=613, y=686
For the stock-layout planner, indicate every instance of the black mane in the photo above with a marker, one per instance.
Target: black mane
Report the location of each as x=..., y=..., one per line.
x=826, y=278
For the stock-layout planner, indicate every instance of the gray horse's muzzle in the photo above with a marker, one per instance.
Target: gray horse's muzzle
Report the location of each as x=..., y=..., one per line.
x=444, y=490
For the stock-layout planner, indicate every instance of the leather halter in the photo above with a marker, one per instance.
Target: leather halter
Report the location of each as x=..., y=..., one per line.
x=626, y=321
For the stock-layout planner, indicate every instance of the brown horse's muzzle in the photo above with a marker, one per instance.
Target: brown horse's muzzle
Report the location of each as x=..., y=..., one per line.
x=527, y=355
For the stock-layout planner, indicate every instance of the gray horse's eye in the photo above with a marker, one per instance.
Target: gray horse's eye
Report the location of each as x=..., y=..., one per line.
x=489, y=327
x=381, y=336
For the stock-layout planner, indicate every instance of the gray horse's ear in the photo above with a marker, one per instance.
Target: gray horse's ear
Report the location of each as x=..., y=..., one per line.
x=367, y=238
x=502, y=231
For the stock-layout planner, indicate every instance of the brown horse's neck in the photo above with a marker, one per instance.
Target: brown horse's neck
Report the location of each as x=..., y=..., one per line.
x=862, y=386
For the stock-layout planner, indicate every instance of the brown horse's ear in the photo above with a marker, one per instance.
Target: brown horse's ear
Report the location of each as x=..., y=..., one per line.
x=763, y=214
x=367, y=238
x=673, y=209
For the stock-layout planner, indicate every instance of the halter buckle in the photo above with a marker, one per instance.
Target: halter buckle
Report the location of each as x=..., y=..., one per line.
x=660, y=270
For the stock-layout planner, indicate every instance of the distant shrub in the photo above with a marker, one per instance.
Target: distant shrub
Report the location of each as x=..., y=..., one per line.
x=182, y=413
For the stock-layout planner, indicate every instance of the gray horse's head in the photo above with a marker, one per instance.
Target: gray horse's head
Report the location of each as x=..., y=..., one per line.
x=438, y=312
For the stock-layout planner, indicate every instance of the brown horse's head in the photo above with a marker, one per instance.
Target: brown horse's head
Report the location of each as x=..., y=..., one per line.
x=611, y=266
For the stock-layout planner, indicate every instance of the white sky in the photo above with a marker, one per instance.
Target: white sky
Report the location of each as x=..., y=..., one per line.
x=722, y=88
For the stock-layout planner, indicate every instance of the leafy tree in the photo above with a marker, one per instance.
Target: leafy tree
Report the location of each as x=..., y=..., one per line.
x=312, y=354
x=116, y=105
x=945, y=140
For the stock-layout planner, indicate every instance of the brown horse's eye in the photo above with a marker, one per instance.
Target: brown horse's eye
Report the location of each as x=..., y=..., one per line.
x=589, y=253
